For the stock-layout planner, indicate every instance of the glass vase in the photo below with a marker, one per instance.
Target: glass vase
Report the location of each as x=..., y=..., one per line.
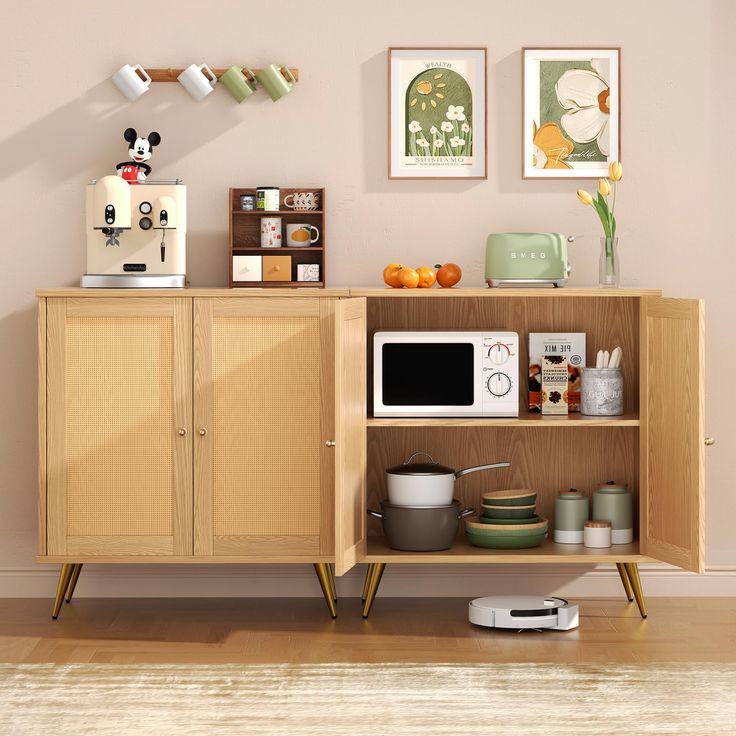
x=608, y=266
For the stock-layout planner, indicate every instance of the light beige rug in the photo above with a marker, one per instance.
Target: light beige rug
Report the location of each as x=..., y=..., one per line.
x=390, y=700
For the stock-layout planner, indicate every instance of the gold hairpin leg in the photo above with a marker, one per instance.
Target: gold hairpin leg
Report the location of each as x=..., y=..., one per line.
x=73, y=582
x=632, y=570
x=367, y=581
x=375, y=573
x=625, y=580
x=65, y=575
x=333, y=587
x=323, y=575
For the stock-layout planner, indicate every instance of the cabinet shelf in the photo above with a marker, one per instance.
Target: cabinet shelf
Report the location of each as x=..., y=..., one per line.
x=525, y=419
x=275, y=251
x=277, y=213
x=464, y=552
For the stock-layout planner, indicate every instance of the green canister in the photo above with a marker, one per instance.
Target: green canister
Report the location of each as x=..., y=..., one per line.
x=613, y=502
x=571, y=512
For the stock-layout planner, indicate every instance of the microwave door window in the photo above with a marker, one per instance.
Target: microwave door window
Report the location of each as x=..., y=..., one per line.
x=428, y=374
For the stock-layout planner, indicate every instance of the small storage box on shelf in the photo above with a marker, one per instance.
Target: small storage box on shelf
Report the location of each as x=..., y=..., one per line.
x=253, y=266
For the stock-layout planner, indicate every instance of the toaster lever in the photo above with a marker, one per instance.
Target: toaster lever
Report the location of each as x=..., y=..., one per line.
x=572, y=238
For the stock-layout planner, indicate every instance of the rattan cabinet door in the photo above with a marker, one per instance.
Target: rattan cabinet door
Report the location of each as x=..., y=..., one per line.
x=119, y=446
x=261, y=423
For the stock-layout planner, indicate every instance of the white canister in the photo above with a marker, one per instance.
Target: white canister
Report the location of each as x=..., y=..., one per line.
x=597, y=534
x=267, y=199
x=602, y=392
x=270, y=232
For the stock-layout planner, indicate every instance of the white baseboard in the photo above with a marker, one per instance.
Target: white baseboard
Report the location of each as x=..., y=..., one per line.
x=151, y=581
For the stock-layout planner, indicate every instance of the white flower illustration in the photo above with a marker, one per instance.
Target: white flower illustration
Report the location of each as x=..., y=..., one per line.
x=585, y=94
x=455, y=112
x=457, y=142
x=423, y=142
x=414, y=127
x=433, y=130
x=465, y=128
x=439, y=142
x=446, y=127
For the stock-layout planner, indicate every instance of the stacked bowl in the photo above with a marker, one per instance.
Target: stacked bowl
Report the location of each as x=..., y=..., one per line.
x=508, y=521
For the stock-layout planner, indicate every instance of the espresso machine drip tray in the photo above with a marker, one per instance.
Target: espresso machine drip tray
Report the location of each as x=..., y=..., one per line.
x=133, y=281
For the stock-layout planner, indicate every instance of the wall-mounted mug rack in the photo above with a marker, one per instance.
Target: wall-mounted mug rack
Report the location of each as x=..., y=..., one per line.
x=200, y=81
x=172, y=75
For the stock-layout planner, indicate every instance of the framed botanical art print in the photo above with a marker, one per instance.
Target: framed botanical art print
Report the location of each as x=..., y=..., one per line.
x=571, y=112
x=437, y=113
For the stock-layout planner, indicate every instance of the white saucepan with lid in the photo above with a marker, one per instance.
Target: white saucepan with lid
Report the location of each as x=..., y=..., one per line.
x=427, y=483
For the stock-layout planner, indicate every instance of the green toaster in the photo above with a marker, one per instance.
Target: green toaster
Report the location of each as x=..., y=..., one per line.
x=533, y=259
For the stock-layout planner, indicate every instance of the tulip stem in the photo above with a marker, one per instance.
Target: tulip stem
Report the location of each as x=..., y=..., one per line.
x=613, y=208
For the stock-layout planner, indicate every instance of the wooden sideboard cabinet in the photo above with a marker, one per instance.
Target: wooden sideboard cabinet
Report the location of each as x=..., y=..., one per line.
x=220, y=426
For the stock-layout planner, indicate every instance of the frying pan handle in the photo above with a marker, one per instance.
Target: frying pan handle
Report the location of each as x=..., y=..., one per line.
x=375, y=513
x=419, y=452
x=466, y=512
x=476, y=468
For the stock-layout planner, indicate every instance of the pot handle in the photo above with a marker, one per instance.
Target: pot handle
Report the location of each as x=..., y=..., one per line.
x=375, y=513
x=476, y=468
x=466, y=512
x=419, y=452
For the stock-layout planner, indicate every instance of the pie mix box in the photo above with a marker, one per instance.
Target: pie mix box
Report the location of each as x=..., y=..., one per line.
x=568, y=345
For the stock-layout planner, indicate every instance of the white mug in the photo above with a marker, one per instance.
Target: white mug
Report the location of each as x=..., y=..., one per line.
x=132, y=81
x=198, y=80
x=270, y=232
x=301, y=235
x=302, y=201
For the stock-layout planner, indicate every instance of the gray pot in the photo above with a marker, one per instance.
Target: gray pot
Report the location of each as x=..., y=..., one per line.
x=420, y=528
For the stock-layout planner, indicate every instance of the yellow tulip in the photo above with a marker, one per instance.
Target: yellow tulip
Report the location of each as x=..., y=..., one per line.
x=584, y=196
x=615, y=170
x=604, y=187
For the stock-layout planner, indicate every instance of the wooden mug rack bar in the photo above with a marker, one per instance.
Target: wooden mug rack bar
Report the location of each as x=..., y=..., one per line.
x=171, y=75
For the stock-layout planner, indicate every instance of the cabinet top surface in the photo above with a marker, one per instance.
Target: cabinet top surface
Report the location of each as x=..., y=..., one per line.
x=346, y=291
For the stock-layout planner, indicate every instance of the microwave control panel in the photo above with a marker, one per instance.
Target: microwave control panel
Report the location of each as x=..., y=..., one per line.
x=500, y=374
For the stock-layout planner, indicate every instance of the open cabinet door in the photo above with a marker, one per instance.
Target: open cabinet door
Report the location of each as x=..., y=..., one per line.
x=350, y=433
x=672, y=441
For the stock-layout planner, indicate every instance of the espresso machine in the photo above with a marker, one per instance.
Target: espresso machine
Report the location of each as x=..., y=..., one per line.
x=136, y=233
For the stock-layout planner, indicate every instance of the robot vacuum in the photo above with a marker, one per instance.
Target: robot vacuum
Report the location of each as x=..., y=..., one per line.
x=522, y=612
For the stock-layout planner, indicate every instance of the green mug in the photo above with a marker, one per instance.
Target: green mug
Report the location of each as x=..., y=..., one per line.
x=240, y=82
x=277, y=80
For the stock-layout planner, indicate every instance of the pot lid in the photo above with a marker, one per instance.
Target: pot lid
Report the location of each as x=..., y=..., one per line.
x=421, y=468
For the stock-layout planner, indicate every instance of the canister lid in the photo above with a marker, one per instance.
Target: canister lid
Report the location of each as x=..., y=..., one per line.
x=598, y=524
x=571, y=493
x=612, y=487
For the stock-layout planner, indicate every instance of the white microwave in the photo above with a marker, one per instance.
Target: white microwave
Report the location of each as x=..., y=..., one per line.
x=446, y=374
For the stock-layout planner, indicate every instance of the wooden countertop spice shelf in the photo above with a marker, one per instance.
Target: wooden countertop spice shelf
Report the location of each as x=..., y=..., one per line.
x=245, y=238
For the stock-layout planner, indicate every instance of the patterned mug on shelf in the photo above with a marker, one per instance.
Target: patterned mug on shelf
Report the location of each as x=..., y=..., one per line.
x=302, y=201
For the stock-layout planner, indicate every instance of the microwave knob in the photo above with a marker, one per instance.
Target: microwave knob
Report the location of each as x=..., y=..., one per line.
x=499, y=353
x=499, y=384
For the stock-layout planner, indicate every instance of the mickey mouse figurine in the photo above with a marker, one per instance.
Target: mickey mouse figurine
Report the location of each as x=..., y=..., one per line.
x=135, y=171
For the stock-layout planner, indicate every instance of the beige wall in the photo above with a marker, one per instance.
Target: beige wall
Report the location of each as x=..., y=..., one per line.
x=61, y=123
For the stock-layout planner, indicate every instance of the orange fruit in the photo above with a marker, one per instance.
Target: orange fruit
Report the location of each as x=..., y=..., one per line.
x=448, y=275
x=391, y=275
x=409, y=278
x=427, y=277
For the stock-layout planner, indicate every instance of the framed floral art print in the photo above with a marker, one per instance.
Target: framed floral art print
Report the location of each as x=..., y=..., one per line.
x=437, y=113
x=571, y=112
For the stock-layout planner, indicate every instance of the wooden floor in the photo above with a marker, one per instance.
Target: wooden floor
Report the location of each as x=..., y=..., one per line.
x=261, y=630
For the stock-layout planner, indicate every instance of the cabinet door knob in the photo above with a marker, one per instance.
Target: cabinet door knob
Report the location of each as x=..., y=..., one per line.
x=182, y=432
x=202, y=432
x=710, y=441
x=330, y=443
